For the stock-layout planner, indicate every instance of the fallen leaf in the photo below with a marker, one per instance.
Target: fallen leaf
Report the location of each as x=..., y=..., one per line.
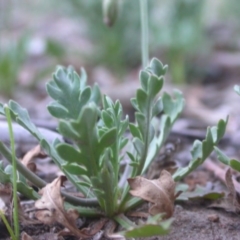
x=109, y=231
x=50, y=208
x=153, y=227
x=159, y=192
x=30, y=155
x=231, y=202
x=233, y=195
x=94, y=228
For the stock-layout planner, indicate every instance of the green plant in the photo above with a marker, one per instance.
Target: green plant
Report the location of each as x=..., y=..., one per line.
x=14, y=235
x=176, y=27
x=5, y=221
x=117, y=47
x=15, y=197
x=98, y=135
x=231, y=162
x=12, y=58
x=179, y=30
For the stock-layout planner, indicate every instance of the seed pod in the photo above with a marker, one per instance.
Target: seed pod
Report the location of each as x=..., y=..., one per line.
x=110, y=11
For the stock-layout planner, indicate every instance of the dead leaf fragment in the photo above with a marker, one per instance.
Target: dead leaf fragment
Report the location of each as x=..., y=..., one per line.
x=30, y=155
x=51, y=208
x=213, y=218
x=109, y=231
x=159, y=192
x=231, y=202
x=25, y=236
x=233, y=195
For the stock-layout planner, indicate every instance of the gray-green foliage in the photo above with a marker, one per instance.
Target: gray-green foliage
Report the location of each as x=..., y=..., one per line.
x=97, y=130
x=231, y=162
x=97, y=151
x=201, y=150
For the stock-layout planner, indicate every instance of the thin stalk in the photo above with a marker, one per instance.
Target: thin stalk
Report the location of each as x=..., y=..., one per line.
x=14, y=165
x=5, y=221
x=144, y=32
x=145, y=61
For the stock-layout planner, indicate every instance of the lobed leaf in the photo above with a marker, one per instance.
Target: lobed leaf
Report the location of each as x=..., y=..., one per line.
x=142, y=100
x=173, y=106
x=135, y=131
x=107, y=140
x=157, y=107
x=233, y=163
x=157, y=67
x=70, y=154
x=154, y=86
x=201, y=150
x=149, y=230
x=144, y=78
x=75, y=169
x=70, y=93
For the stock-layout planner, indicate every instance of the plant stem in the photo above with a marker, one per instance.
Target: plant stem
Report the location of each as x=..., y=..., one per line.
x=14, y=165
x=5, y=221
x=33, y=178
x=144, y=32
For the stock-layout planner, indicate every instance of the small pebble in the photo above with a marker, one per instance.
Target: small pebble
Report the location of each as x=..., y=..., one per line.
x=213, y=217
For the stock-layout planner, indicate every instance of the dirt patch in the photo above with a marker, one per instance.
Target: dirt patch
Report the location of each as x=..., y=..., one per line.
x=200, y=222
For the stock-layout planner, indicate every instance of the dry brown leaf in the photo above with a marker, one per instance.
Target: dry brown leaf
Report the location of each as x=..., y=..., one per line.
x=231, y=202
x=51, y=208
x=109, y=231
x=159, y=192
x=30, y=155
x=94, y=228
x=233, y=196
